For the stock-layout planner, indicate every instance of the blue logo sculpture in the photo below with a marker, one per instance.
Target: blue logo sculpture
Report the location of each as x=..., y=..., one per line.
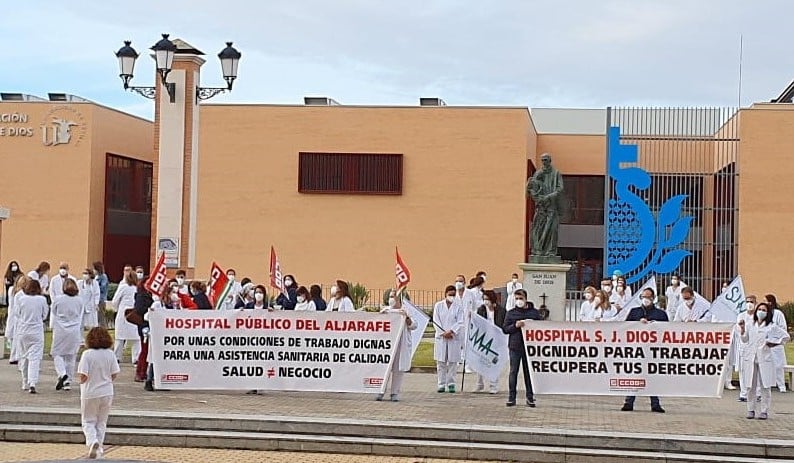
x=637, y=242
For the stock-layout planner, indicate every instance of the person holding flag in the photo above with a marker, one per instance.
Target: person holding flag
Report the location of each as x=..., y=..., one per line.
x=495, y=314
x=288, y=298
x=403, y=354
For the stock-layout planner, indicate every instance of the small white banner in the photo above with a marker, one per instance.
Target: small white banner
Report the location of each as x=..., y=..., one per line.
x=282, y=350
x=421, y=319
x=486, y=351
x=628, y=358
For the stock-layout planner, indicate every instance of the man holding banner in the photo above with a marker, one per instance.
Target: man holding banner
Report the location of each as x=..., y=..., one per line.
x=513, y=326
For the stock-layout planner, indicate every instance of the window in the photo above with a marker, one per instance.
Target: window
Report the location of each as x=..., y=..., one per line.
x=350, y=173
x=587, y=267
x=583, y=200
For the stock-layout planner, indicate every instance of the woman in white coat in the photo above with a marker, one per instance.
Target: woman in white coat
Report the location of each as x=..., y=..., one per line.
x=126, y=332
x=66, y=321
x=304, y=300
x=340, y=298
x=32, y=310
x=11, y=322
x=402, y=360
x=758, y=339
x=513, y=285
x=89, y=296
x=587, y=309
x=449, y=321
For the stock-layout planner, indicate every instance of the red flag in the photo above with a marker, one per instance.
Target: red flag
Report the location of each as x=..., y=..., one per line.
x=402, y=274
x=276, y=276
x=218, y=283
x=157, y=279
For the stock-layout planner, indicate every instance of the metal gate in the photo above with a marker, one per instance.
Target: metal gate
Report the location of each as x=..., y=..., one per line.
x=671, y=195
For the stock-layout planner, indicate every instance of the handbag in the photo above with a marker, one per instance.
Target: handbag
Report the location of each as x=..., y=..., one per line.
x=133, y=317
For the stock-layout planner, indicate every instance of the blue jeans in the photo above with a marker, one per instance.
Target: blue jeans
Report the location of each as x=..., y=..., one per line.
x=517, y=358
x=150, y=372
x=654, y=401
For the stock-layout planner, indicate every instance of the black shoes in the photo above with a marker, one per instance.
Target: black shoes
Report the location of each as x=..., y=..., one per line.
x=531, y=403
x=148, y=386
x=61, y=381
x=32, y=389
x=511, y=403
x=627, y=408
x=657, y=409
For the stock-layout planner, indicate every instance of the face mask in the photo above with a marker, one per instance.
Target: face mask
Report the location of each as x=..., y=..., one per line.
x=139, y=275
x=180, y=281
x=750, y=306
x=259, y=297
x=520, y=303
x=606, y=288
x=287, y=282
x=86, y=277
x=301, y=299
x=14, y=268
x=459, y=285
x=334, y=289
x=675, y=282
x=620, y=289
x=646, y=302
x=230, y=276
x=392, y=302
x=63, y=272
x=515, y=280
x=450, y=299
x=588, y=296
x=761, y=314
x=689, y=302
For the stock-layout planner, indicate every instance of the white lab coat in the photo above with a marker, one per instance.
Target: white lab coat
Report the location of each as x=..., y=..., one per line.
x=44, y=280
x=618, y=300
x=404, y=344
x=306, y=306
x=673, y=296
x=445, y=319
x=124, y=299
x=512, y=288
x=755, y=350
x=343, y=305
x=586, y=312
x=684, y=314
x=476, y=298
x=89, y=295
x=66, y=321
x=779, y=352
x=466, y=300
x=29, y=331
x=56, y=285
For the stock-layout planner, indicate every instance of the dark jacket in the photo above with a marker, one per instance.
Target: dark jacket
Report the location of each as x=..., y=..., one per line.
x=516, y=342
x=143, y=300
x=320, y=304
x=288, y=301
x=650, y=314
x=498, y=316
x=202, y=301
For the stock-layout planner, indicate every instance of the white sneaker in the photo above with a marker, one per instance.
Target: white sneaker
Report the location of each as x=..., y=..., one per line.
x=100, y=454
x=93, y=449
x=493, y=391
x=782, y=389
x=730, y=386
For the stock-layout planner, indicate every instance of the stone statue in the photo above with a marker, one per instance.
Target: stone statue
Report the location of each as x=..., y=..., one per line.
x=545, y=188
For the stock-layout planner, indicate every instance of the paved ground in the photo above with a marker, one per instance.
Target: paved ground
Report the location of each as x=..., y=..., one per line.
x=12, y=452
x=421, y=403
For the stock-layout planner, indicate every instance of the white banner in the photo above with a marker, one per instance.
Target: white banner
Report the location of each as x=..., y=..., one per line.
x=282, y=350
x=730, y=303
x=421, y=319
x=486, y=351
x=628, y=358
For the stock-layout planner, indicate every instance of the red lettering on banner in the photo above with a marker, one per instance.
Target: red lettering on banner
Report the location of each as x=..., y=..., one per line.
x=197, y=323
x=557, y=336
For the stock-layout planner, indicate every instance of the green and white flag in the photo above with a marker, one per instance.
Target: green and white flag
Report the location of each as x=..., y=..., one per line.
x=486, y=349
x=730, y=303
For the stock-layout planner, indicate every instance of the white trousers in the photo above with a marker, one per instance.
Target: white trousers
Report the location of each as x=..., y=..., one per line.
x=64, y=365
x=396, y=378
x=446, y=373
x=779, y=359
x=766, y=393
x=31, y=350
x=494, y=385
x=94, y=416
x=121, y=344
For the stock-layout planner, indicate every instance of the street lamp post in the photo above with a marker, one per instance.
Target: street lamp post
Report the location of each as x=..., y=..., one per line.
x=177, y=95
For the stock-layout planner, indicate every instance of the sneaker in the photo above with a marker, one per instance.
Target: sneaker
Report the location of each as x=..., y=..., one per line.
x=93, y=449
x=531, y=403
x=627, y=408
x=781, y=388
x=32, y=389
x=100, y=454
x=379, y=398
x=61, y=382
x=511, y=403
x=750, y=415
x=730, y=387
x=451, y=389
x=441, y=389
x=253, y=392
x=395, y=398
x=493, y=391
x=762, y=416
x=25, y=387
x=657, y=409
x=742, y=399
x=67, y=387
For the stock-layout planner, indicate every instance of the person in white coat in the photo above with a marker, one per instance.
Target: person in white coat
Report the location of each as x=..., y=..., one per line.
x=673, y=296
x=42, y=275
x=126, y=332
x=759, y=338
x=304, y=300
x=89, y=296
x=66, y=321
x=56, y=283
x=32, y=310
x=778, y=352
x=234, y=291
x=402, y=356
x=449, y=320
x=340, y=298
x=13, y=315
x=512, y=285
x=746, y=318
x=586, y=310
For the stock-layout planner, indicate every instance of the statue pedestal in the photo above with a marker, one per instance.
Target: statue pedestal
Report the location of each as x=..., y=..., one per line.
x=546, y=279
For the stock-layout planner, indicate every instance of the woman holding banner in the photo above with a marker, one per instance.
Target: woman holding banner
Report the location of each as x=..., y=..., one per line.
x=759, y=338
x=402, y=356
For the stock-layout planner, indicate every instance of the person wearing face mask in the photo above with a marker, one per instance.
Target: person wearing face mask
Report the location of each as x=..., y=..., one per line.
x=198, y=295
x=66, y=318
x=287, y=301
x=246, y=295
x=12, y=272
x=620, y=296
x=621, y=281
x=648, y=312
x=13, y=316
x=260, y=299
x=181, y=281
x=686, y=308
x=234, y=291
x=587, y=308
x=745, y=369
x=606, y=286
x=140, y=273
x=305, y=301
x=464, y=297
x=602, y=309
x=56, y=284
x=42, y=275
x=512, y=286
x=340, y=298
x=317, y=297
x=402, y=360
x=495, y=314
x=778, y=352
x=126, y=333
x=513, y=327
x=759, y=338
x=673, y=295
x=90, y=296
x=449, y=320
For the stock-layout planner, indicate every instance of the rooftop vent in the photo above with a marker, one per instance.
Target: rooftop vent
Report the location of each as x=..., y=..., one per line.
x=66, y=97
x=431, y=102
x=319, y=101
x=19, y=97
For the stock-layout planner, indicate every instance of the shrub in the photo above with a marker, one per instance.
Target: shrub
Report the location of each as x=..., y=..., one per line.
x=112, y=287
x=358, y=294
x=788, y=311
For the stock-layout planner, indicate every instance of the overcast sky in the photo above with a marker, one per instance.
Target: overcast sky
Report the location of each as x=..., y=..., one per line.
x=576, y=53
